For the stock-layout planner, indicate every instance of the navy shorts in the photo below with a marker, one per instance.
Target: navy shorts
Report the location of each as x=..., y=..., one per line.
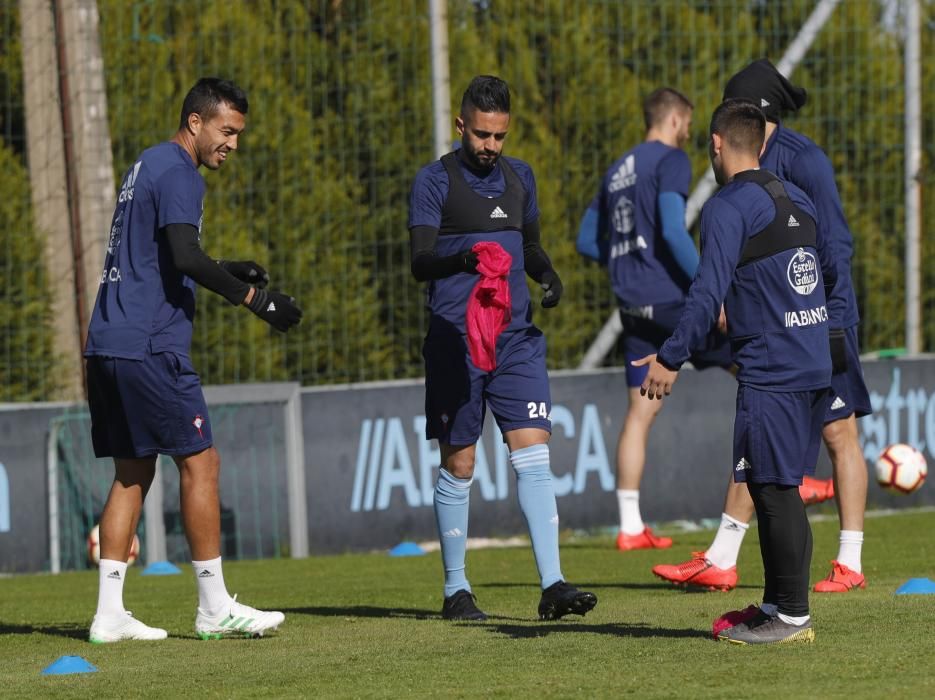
x=646, y=328
x=849, y=393
x=457, y=393
x=146, y=407
x=777, y=434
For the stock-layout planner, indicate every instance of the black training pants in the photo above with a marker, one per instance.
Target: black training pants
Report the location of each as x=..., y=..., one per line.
x=786, y=546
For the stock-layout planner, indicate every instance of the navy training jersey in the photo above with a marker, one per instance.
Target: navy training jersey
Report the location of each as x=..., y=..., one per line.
x=144, y=304
x=777, y=317
x=448, y=297
x=642, y=268
x=797, y=159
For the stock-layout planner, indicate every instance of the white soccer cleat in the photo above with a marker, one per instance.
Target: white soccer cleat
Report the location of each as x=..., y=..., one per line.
x=117, y=628
x=238, y=620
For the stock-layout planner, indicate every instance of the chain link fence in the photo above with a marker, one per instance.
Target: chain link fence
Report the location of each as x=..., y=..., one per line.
x=340, y=121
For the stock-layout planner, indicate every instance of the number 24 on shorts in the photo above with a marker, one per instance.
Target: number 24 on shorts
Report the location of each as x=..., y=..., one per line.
x=537, y=410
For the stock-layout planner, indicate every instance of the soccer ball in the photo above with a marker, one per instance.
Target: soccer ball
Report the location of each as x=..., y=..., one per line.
x=94, y=547
x=901, y=468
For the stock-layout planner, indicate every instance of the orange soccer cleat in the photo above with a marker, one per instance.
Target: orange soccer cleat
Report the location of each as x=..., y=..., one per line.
x=840, y=580
x=645, y=540
x=816, y=490
x=698, y=572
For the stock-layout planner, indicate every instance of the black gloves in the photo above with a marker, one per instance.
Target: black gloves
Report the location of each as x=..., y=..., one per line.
x=553, y=288
x=277, y=309
x=838, y=350
x=246, y=271
x=469, y=261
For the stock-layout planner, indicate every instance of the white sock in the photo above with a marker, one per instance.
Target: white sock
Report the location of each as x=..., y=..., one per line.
x=769, y=609
x=726, y=546
x=790, y=620
x=212, y=593
x=630, y=521
x=111, y=575
x=849, y=550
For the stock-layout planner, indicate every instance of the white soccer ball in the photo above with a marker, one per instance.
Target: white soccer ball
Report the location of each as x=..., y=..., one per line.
x=94, y=547
x=901, y=468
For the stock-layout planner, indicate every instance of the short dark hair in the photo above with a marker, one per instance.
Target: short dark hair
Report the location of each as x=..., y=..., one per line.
x=207, y=95
x=741, y=123
x=487, y=93
x=660, y=102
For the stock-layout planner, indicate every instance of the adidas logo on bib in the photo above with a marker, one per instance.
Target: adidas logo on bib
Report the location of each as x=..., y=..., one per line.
x=272, y=305
x=793, y=222
x=498, y=213
x=763, y=103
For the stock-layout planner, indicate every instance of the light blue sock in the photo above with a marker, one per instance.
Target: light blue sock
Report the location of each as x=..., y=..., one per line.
x=537, y=501
x=451, y=513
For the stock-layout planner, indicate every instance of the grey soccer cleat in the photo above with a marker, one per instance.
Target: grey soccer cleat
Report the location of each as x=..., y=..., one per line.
x=772, y=631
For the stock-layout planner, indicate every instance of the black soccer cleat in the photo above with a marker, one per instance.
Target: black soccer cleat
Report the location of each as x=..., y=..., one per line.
x=562, y=599
x=460, y=606
x=772, y=631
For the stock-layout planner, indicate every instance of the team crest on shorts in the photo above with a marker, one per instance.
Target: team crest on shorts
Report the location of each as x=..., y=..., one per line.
x=198, y=422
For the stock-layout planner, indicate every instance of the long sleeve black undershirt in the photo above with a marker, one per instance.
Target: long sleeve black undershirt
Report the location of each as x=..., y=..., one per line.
x=427, y=265
x=191, y=260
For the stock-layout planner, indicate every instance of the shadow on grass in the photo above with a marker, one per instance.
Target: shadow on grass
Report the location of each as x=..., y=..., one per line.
x=364, y=611
x=70, y=630
x=612, y=629
x=660, y=585
x=373, y=611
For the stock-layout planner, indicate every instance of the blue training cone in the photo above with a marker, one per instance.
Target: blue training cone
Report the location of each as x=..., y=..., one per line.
x=161, y=568
x=407, y=549
x=64, y=665
x=917, y=585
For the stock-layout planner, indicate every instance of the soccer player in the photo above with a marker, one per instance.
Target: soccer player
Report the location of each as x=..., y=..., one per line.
x=765, y=260
x=473, y=215
x=145, y=397
x=636, y=226
x=796, y=158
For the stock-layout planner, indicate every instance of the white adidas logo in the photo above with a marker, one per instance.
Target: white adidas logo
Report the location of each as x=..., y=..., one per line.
x=837, y=404
x=272, y=305
x=742, y=464
x=792, y=223
x=763, y=103
x=625, y=175
x=498, y=213
x=453, y=532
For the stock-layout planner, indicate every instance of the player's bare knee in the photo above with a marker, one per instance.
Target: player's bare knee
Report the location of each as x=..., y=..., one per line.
x=135, y=472
x=840, y=435
x=200, y=467
x=460, y=465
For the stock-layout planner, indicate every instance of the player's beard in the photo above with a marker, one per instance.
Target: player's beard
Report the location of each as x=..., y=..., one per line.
x=474, y=160
x=717, y=165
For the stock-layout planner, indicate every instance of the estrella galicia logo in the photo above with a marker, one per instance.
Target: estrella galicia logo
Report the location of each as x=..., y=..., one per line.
x=116, y=232
x=623, y=218
x=803, y=272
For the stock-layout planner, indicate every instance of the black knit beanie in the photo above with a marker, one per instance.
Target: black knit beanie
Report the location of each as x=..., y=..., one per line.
x=766, y=87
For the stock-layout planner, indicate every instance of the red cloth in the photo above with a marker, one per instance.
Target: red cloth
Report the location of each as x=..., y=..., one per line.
x=488, y=308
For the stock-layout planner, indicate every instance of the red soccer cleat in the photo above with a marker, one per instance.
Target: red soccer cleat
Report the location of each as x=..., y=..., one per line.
x=734, y=617
x=645, y=540
x=840, y=580
x=816, y=490
x=698, y=572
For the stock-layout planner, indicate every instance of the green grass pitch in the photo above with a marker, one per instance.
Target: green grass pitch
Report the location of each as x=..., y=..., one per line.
x=368, y=626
